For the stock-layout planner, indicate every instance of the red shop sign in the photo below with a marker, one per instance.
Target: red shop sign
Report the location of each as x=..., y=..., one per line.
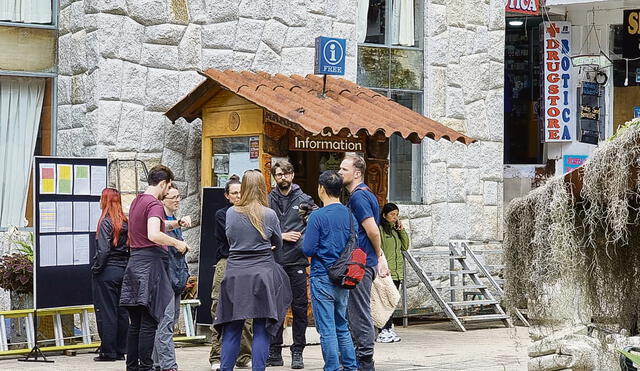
x=530, y=7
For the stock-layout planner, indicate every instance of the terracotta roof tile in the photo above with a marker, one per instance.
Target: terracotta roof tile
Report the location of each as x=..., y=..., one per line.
x=298, y=99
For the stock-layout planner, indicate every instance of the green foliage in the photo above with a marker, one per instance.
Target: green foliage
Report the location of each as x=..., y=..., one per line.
x=16, y=270
x=635, y=358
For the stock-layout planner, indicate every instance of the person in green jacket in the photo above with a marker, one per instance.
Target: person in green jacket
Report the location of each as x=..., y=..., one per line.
x=394, y=240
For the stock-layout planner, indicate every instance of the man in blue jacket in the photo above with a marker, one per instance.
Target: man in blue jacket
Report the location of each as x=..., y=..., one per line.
x=286, y=200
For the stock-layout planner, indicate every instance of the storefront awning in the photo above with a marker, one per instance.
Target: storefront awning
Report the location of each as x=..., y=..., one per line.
x=299, y=102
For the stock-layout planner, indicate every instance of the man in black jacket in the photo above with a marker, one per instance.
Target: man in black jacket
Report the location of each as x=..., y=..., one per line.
x=286, y=200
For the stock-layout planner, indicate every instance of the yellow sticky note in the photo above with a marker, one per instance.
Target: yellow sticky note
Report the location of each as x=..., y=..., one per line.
x=65, y=172
x=48, y=186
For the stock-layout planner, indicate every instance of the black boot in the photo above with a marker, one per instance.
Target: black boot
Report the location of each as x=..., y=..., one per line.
x=275, y=357
x=296, y=360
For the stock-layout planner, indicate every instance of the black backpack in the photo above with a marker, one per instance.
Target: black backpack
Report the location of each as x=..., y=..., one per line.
x=349, y=269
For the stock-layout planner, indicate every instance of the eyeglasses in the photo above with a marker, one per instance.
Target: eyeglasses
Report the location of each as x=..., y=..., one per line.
x=281, y=175
x=174, y=198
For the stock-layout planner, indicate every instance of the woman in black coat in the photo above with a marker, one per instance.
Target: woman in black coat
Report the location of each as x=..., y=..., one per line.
x=109, y=263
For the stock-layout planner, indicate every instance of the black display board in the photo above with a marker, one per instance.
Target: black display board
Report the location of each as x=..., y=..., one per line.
x=66, y=209
x=212, y=200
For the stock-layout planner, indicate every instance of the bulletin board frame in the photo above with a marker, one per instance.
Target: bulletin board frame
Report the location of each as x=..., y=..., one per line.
x=63, y=278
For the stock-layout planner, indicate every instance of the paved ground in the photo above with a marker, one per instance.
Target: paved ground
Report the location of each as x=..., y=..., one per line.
x=433, y=346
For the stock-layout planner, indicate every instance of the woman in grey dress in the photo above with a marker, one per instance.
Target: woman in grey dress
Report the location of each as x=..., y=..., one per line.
x=254, y=286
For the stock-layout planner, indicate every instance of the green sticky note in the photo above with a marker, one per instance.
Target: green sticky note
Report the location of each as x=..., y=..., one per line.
x=64, y=186
x=82, y=172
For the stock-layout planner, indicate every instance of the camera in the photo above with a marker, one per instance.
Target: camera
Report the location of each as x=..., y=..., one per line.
x=304, y=210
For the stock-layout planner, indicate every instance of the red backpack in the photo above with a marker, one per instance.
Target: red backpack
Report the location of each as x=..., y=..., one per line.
x=349, y=269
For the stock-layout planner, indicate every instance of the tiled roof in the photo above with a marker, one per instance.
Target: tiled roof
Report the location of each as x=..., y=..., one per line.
x=298, y=99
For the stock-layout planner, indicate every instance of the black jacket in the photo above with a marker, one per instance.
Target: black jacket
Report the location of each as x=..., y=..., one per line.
x=286, y=208
x=221, y=234
x=106, y=253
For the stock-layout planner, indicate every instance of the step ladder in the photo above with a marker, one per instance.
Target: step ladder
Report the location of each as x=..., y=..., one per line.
x=457, y=259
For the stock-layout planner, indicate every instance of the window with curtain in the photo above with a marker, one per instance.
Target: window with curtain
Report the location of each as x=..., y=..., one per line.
x=26, y=11
x=391, y=62
x=21, y=101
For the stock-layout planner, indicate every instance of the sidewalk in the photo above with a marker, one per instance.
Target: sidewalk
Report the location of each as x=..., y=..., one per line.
x=433, y=346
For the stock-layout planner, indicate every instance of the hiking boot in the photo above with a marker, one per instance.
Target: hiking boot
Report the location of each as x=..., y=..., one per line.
x=296, y=360
x=275, y=357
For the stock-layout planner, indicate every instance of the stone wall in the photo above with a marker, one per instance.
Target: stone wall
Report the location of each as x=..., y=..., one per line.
x=123, y=63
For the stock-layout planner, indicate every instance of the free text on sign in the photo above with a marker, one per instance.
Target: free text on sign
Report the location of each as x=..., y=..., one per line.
x=558, y=84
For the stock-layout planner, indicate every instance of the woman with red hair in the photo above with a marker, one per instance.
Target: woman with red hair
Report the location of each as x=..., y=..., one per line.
x=110, y=261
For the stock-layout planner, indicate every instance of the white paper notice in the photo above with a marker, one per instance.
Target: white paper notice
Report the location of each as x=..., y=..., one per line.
x=47, y=221
x=81, y=185
x=64, y=249
x=239, y=162
x=98, y=179
x=94, y=215
x=47, y=251
x=47, y=178
x=80, y=249
x=81, y=217
x=64, y=217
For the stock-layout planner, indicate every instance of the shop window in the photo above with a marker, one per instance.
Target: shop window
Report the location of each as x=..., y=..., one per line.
x=234, y=155
x=626, y=81
x=26, y=11
x=26, y=124
x=390, y=22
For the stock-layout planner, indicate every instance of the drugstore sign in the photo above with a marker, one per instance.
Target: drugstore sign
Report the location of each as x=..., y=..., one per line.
x=631, y=34
x=559, y=106
x=531, y=7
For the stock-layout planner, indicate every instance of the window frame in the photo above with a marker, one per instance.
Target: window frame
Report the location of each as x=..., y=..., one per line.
x=55, y=4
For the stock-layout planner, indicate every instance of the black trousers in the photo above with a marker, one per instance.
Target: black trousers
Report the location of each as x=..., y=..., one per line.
x=112, y=320
x=142, y=333
x=298, y=280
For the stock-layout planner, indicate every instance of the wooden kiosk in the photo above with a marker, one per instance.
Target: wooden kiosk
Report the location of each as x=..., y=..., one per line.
x=249, y=119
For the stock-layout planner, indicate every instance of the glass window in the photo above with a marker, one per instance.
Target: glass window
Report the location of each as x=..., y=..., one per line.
x=390, y=22
x=406, y=69
x=373, y=67
x=234, y=155
x=26, y=11
x=28, y=49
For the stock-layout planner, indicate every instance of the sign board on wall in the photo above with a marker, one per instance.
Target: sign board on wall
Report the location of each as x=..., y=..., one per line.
x=631, y=34
x=559, y=111
x=324, y=143
x=571, y=162
x=331, y=54
x=530, y=7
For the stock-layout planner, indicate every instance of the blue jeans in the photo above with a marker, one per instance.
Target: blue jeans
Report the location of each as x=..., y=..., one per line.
x=231, y=334
x=329, y=304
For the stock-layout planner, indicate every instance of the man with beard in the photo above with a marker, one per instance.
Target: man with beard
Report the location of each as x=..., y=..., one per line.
x=286, y=200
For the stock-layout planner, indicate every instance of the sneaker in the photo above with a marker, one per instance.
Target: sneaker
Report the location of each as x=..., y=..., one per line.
x=395, y=336
x=275, y=357
x=244, y=365
x=384, y=337
x=296, y=360
x=215, y=366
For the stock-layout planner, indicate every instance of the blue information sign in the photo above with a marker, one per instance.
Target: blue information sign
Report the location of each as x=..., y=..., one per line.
x=331, y=54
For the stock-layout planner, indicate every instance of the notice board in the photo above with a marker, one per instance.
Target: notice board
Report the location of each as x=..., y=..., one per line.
x=66, y=208
x=212, y=200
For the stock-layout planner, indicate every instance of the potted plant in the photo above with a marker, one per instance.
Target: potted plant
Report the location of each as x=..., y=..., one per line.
x=16, y=270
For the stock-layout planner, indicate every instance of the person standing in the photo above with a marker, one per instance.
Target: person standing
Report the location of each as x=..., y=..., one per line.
x=286, y=200
x=146, y=290
x=109, y=263
x=328, y=232
x=365, y=208
x=394, y=241
x=231, y=193
x=164, y=355
x=254, y=285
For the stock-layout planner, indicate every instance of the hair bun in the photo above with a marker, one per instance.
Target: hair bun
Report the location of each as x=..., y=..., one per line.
x=234, y=177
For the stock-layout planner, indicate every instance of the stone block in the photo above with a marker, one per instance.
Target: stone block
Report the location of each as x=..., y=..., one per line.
x=192, y=177
x=455, y=13
x=479, y=43
x=110, y=77
x=457, y=179
x=78, y=46
x=198, y=12
x=217, y=58
x=105, y=6
x=189, y=80
x=455, y=103
x=242, y=61
x=490, y=159
x=195, y=140
x=490, y=193
x=476, y=12
x=167, y=34
x=64, y=89
x=78, y=115
x=219, y=35
x=475, y=73
x=345, y=11
x=159, y=56
x=317, y=6
x=436, y=185
x=223, y=10
x=477, y=223
x=437, y=19
x=351, y=66
x=91, y=89
x=92, y=50
x=496, y=45
x=455, y=124
x=162, y=89
x=496, y=76
x=134, y=79
x=346, y=31
x=130, y=126
x=68, y=144
x=495, y=115
x=77, y=89
x=459, y=216
x=153, y=132
x=454, y=74
x=476, y=114
x=192, y=238
x=178, y=12
x=64, y=21
x=438, y=49
x=273, y=34
x=421, y=232
x=290, y=12
x=456, y=154
x=175, y=161
x=130, y=39
x=266, y=60
x=437, y=85
x=190, y=49
x=255, y=9
x=148, y=12
x=65, y=58
x=441, y=223
x=496, y=15
x=109, y=29
x=318, y=25
x=76, y=16
x=474, y=184
x=176, y=135
x=297, y=61
x=248, y=35
x=64, y=117
x=457, y=43
x=298, y=36
x=414, y=211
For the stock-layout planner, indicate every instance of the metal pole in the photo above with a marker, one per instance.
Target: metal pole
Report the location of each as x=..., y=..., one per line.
x=405, y=310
